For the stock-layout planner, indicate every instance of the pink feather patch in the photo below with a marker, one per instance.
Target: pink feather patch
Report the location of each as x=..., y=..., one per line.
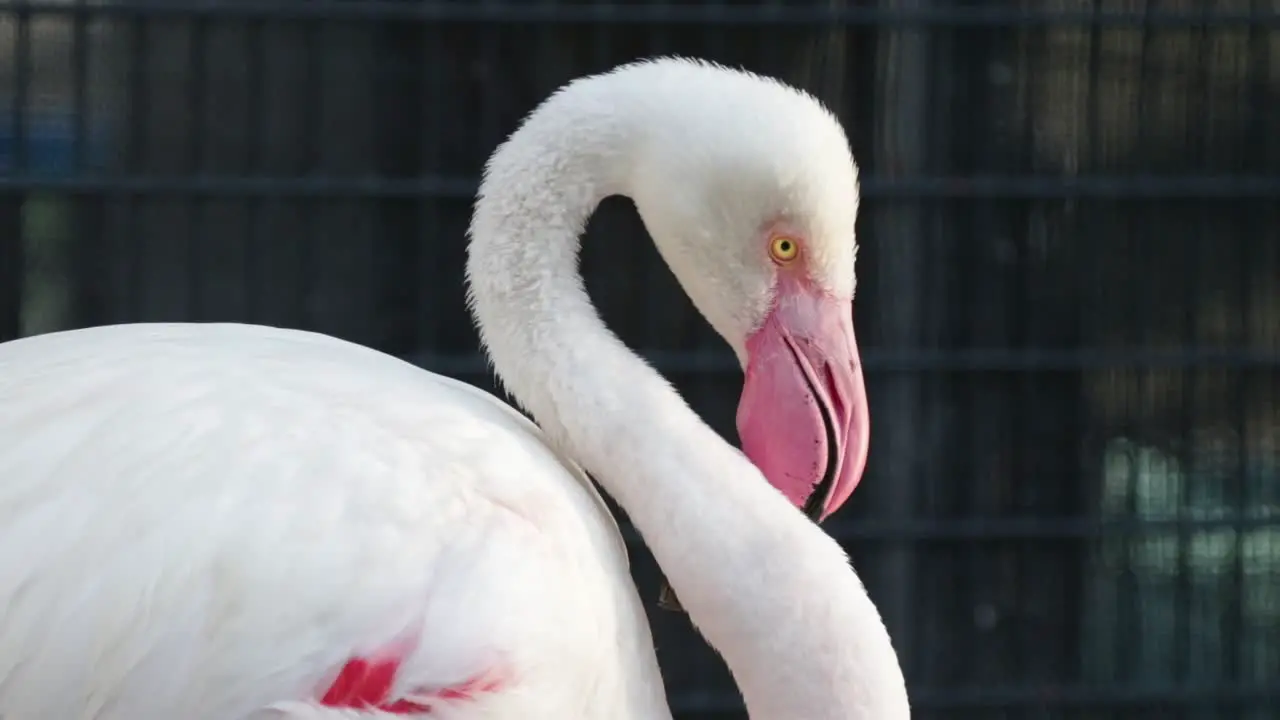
x=365, y=684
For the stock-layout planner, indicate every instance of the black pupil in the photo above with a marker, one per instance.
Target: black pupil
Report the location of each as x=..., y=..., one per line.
x=785, y=246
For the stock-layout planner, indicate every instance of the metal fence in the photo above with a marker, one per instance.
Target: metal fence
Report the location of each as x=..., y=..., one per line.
x=1069, y=288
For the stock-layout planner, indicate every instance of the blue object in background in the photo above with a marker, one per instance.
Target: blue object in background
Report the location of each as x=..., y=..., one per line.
x=50, y=144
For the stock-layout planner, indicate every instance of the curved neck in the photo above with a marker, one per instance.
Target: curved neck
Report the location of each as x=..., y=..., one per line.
x=768, y=589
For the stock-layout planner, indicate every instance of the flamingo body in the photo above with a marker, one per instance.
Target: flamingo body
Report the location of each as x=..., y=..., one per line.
x=209, y=520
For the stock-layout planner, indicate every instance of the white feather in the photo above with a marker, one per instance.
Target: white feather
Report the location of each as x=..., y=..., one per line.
x=207, y=519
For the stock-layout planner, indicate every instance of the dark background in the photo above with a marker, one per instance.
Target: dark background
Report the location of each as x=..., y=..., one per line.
x=1069, y=293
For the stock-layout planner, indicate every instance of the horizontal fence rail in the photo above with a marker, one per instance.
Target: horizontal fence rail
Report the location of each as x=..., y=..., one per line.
x=974, y=361
x=648, y=13
x=968, y=187
x=1004, y=529
x=1080, y=697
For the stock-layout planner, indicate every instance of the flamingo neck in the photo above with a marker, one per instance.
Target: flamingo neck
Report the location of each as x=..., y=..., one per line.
x=767, y=588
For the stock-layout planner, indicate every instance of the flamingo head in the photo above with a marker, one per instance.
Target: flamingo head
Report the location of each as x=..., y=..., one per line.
x=751, y=198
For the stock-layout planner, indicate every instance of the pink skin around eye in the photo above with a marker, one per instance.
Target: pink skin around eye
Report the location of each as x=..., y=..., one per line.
x=803, y=412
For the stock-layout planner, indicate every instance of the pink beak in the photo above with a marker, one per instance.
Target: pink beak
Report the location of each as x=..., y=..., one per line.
x=803, y=416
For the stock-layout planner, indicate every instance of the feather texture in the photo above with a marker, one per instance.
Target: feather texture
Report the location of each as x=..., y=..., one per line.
x=210, y=519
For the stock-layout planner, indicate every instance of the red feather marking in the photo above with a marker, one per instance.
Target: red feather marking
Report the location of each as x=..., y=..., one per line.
x=362, y=683
x=365, y=684
x=468, y=689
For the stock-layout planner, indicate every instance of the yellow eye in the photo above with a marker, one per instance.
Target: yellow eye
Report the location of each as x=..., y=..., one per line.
x=783, y=249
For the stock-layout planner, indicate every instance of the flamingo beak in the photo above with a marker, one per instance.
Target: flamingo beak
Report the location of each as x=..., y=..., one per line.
x=803, y=416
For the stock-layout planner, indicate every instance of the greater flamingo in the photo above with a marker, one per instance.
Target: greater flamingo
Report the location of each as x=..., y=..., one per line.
x=218, y=522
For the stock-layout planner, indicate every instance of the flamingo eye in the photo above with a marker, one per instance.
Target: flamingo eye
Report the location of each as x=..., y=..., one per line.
x=783, y=249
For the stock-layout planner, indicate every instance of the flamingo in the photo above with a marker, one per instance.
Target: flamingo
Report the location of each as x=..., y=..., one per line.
x=226, y=521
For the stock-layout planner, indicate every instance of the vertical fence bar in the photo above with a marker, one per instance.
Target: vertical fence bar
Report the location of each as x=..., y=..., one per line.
x=12, y=251
x=434, y=91
x=20, y=112
x=1194, y=414
x=197, y=140
x=81, y=111
x=399, y=65
x=1131, y=637
x=257, y=129
x=313, y=94
x=902, y=96
x=1247, y=650
x=138, y=106
x=92, y=254
x=1092, y=471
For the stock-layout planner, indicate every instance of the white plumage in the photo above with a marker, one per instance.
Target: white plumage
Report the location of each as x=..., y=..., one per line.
x=201, y=520
x=207, y=522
